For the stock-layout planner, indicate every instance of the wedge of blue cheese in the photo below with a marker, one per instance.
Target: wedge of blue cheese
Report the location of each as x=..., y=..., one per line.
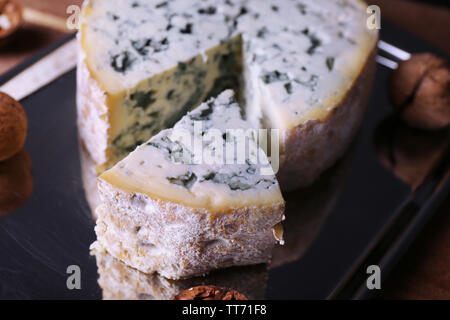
x=189, y=201
x=301, y=66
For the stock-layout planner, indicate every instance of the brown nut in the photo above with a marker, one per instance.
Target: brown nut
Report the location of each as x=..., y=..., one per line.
x=209, y=293
x=13, y=126
x=409, y=153
x=16, y=182
x=420, y=91
x=11, y=15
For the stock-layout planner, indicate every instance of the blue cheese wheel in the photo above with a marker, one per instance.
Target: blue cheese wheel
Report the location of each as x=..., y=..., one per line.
x=301, y=66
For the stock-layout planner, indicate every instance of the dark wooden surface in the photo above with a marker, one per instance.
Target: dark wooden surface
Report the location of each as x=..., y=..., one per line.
x=424, y=272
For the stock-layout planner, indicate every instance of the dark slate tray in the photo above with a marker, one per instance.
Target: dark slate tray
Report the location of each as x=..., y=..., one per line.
x=356, y=215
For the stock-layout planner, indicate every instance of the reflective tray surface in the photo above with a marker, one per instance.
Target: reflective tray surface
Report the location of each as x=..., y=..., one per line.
x=328, y=226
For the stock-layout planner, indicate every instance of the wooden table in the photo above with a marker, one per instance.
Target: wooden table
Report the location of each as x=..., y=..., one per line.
x=424, y=272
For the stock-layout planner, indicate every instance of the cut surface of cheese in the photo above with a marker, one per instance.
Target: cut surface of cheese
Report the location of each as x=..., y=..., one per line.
x=210, y=159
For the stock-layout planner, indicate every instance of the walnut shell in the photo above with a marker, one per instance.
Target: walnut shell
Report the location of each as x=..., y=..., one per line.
x=13, y=126
x=409, y=153
x=420, y=91
x=16, y=182
x=209, y=293
x=13, y=12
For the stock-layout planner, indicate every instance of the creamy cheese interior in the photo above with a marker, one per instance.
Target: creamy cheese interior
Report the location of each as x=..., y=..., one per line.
x=165, y=168
x=157, y=59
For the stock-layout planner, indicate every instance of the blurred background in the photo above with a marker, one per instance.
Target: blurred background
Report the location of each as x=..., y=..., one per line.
x=424, y=272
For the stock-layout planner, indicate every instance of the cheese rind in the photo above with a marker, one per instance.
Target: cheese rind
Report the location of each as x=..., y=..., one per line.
x=179, y=242
x=297, y=69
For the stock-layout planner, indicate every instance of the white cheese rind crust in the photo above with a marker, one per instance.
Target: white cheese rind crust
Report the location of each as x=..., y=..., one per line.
x=93, y=114
x=180, y=242
x=338, y=45
x=89, y=179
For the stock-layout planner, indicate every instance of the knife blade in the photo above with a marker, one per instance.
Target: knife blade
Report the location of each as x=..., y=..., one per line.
x=44, y=71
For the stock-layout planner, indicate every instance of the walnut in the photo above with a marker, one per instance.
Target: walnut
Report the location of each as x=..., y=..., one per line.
x=408, y=152
x=209, y=293
x=420, y=90
x=10, y=20
x=13, y=126
x=16, y=182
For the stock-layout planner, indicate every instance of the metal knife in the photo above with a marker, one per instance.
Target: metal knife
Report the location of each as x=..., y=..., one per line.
x=42, y=72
